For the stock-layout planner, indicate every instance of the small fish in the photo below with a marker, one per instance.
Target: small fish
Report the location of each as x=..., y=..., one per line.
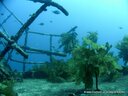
x=120, y=27
x=30, y=15
x=1, y=14
x=41, y=24
x=50, y=21
x=56, y=12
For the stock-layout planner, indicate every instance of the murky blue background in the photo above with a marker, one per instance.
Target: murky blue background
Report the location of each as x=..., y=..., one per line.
x=103, y=16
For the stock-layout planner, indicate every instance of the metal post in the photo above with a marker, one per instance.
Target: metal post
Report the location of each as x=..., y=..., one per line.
x=50, y=48
x=25, y=45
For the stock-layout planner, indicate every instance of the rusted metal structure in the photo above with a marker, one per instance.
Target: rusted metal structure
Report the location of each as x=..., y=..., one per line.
x=12, y=42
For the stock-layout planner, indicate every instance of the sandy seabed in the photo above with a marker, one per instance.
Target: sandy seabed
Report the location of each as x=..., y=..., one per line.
x=40, y=87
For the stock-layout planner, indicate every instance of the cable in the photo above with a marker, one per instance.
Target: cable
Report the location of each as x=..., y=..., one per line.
x=11, y=13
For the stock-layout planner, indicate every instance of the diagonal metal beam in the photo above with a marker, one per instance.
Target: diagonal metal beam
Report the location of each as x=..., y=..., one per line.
x=11, y=45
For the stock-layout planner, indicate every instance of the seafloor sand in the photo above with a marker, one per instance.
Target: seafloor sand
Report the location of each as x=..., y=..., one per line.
x=38, y=87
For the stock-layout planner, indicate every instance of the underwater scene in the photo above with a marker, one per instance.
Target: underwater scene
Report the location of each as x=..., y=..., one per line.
x=63, y=47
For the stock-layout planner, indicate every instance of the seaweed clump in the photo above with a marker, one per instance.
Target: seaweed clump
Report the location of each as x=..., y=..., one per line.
x=58, y=72
x=92, y=59
x=6, y=88
x=6, y=80
x=122, y=46
x=55, y=71
x=93, y=36
x=68, y=40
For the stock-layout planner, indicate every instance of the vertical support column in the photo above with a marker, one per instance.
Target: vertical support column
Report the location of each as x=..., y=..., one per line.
x=25, y=45
x=51, y=48
x=9, y=55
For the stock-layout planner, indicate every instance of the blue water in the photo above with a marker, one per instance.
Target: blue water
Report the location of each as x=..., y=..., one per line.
x=103, y=16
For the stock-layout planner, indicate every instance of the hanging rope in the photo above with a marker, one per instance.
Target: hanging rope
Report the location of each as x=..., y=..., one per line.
x=2, y=27
x=11, y=13
x=6, y=19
